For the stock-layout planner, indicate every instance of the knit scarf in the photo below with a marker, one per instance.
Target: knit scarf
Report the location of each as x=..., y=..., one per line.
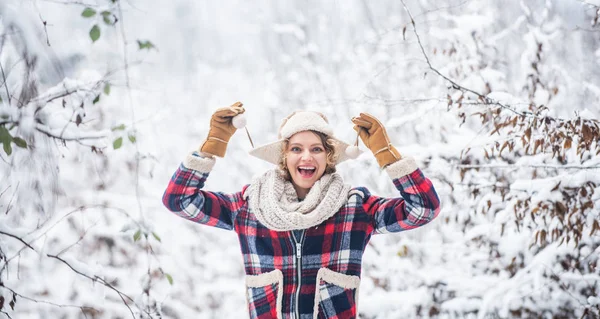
x=274, y=201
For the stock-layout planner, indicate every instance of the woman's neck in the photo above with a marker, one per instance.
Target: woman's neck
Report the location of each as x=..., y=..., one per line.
x=301, y=192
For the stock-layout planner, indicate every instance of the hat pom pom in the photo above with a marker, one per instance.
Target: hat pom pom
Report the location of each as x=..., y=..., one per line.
x=352, y=152
x=239, y=121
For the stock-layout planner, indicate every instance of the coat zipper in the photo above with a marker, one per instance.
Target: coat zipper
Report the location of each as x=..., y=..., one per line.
x=299, y=269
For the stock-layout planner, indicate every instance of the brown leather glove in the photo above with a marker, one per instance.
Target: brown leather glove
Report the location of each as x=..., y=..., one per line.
x=221, y=129
x=373, y=134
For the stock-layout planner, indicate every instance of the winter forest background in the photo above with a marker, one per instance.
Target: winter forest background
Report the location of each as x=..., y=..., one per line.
x=102, y=99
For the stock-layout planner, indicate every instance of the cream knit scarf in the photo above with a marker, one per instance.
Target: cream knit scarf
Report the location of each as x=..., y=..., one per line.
x=275, y=204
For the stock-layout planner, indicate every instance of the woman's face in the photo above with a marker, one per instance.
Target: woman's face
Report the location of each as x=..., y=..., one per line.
x=306, y=160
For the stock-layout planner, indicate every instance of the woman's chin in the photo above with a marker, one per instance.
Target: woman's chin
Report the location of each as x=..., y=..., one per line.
x=303, y=182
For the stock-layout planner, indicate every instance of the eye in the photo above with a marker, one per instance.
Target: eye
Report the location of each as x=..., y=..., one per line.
x=317, y=149
x=295, y=149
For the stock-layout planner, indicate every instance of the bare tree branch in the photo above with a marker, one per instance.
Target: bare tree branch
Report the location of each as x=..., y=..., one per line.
x=9, y=206
x=103, y=282
x=4, y=191
x=4, y=80
x=589, y=4
x=457, y=86
x=127, y=82
x=83, y=308
x=78, y=240
x=512, y=166
x=44, y=22
x=454, y=84
x=79, y=209
x=81, y=3
x=44, y=129
x=17, y=238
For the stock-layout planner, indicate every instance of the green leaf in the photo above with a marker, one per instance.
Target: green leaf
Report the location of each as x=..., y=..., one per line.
x=95, y=33
x=137, y=235
x=156, y=236
x=7, y=148
x=88, y=12
x=106, y=17
x=20, y=142
x=107, y=88
x=118, y=128
x=145, y=45
x=131, y=137
x=97, y=99
x=5, y=136
x=169, y=278
x=117, y=143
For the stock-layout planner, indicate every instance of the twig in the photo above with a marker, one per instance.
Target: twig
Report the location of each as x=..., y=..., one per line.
x=102, y=281
x=73, y=2
x=9, y=207
x=79, y=209
x=57, y=96
x=5, y=85
x=589, y=4
x=4, y=191
x=528, y=166
x=78, y=240
x=128, y=85
x=44, y=22
x=45, y=130
x=48, y=302
x=17, y=238
x=442, y=8
x=483, y=185
x=454, y=84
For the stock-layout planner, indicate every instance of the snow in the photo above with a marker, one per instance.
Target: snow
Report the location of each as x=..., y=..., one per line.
x=340, y=59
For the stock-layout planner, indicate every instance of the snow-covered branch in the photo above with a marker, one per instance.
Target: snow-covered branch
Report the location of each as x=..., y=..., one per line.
x=513, y=166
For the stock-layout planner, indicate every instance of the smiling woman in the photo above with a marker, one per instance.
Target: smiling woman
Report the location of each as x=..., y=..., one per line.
x=302, y=230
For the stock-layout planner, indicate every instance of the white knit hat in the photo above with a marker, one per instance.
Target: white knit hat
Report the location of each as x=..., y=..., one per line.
x=296, y=122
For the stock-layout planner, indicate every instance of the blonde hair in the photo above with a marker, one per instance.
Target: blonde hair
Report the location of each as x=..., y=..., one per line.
x=329, y=145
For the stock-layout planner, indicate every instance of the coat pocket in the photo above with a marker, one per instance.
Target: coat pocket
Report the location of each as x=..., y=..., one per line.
x=336, y=295
x=264, y=294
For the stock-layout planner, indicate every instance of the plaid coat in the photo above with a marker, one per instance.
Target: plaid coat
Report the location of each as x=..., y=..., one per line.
x=311, y=273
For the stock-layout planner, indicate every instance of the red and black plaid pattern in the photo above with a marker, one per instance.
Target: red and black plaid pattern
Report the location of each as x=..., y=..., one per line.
x=336, y=302
x=262, y=301
x=336, y=244
x=184, y=196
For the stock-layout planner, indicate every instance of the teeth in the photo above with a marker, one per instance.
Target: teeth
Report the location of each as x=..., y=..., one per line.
x=307, y=168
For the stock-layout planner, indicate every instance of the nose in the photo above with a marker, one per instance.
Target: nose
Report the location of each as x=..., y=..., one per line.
x=305, y=155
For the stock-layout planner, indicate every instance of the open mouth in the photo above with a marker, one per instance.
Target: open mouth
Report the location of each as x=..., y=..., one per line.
x=307, y=171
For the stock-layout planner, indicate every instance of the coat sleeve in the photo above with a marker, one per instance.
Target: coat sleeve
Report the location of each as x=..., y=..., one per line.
x=418, y=205
x=184, y=195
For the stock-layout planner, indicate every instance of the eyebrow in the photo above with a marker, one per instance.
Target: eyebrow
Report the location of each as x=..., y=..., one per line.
x=319, y=144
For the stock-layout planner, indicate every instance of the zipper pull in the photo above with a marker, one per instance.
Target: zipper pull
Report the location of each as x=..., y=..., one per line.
x=298, y=250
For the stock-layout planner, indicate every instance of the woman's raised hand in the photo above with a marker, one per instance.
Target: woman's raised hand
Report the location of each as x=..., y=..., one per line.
x=221, y=129
x=374, y=136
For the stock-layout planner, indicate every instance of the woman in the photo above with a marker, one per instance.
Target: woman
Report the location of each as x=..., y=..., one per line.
x=302, y=231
